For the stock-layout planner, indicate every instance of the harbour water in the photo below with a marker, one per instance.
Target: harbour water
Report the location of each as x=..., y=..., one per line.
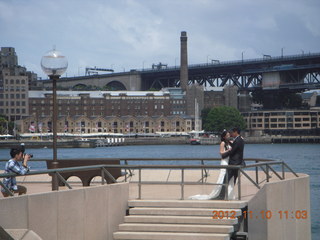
x=304, y=158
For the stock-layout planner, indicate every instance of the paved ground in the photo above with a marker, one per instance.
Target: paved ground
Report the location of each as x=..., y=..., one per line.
x=164, y=190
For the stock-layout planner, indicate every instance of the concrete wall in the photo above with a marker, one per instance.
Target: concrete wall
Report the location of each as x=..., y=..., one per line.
x=288, y=195
x=86, y=213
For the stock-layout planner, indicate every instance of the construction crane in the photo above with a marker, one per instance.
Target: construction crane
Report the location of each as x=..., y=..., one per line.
x=96, y=70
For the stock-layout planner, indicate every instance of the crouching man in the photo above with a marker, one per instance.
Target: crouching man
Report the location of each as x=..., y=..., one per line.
x=13, y=166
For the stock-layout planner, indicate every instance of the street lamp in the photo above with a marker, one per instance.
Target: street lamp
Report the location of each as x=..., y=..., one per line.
x=54, y=64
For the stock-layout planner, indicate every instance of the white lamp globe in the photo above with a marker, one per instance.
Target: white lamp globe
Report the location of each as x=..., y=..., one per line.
x=53, y=63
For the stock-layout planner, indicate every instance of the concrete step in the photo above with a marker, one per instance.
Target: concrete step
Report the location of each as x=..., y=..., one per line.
x=217, y=204
x=169, y=236
x=185, y=211
x=193, y=228
x=23, y=234
x=179, y=220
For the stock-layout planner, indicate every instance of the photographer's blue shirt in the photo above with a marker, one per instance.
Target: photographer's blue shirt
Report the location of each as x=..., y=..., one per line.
x=12, y=166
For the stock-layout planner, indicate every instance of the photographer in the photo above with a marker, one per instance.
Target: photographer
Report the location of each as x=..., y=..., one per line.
x=13, y=166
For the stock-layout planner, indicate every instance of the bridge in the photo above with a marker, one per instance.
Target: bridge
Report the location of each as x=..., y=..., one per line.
x=294, y=72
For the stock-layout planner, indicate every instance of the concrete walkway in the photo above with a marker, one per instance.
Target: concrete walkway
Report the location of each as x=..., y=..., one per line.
x=163, y=190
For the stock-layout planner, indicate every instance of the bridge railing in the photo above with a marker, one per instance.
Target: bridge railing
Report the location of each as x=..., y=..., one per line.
x=237, y=62
x=266, y=165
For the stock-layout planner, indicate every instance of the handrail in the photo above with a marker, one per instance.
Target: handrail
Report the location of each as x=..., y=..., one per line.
x=267, y=163
x=147, y=159
x=238, y=62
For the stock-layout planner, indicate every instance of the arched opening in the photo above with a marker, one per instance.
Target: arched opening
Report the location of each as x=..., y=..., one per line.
x=79, y=87
x=115, y=86
x=96, y=181
x=74, y=181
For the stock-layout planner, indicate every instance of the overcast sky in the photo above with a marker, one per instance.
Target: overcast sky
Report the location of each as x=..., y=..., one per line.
x=132, y=34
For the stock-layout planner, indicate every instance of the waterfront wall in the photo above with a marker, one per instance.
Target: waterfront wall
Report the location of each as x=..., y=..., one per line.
x=86, y=213
x=292, y=195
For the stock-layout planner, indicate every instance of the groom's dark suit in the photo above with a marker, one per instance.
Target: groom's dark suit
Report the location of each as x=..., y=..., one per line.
x=235, y=156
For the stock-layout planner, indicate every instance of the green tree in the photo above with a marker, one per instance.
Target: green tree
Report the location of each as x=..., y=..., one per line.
x=153, y=89
x=291, y=100
x=204, y=115
x=223, y=117
x=3, y=125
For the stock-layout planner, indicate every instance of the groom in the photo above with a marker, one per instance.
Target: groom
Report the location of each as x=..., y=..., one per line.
x=235, y=154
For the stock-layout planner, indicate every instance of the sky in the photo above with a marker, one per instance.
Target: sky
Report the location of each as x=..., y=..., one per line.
x=134, y=34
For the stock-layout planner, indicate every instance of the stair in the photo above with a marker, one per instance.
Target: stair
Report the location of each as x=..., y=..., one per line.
x=180, y=219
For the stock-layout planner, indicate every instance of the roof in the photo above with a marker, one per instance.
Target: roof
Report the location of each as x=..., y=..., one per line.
x=308, y=95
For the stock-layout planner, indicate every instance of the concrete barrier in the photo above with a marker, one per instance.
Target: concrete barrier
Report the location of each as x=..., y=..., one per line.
x=86, y=213
x=278, y=211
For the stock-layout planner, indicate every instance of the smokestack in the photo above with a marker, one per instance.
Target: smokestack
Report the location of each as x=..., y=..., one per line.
x=184, y=61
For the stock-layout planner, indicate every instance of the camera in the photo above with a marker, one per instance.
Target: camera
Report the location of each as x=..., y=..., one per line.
x=30, y=154
x=23, y=149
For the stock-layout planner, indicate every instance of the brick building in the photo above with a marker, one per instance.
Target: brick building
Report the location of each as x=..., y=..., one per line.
x=14, y=85
x=112, y=124
x=283, y=122
x=110, y=111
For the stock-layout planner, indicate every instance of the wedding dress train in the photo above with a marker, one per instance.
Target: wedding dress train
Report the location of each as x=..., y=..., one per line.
x=217, y=188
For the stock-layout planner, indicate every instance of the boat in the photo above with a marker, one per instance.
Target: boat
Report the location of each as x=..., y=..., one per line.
x=195, y=141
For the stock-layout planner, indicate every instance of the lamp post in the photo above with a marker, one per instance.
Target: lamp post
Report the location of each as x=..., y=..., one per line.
x=54, y=64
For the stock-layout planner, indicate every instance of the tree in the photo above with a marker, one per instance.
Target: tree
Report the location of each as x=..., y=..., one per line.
x=153, y=89
x=291, y=100
x=223, y=117
x=204, y=115
x=3, y=125
x=6, y=127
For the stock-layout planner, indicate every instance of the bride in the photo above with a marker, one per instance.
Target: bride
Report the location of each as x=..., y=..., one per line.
x=225, y=146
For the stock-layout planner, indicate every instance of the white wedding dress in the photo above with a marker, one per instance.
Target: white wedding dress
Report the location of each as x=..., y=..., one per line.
x=217, y=188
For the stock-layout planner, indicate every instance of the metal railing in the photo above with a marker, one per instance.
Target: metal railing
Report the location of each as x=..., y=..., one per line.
x=238, y=62
x=266, y=165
